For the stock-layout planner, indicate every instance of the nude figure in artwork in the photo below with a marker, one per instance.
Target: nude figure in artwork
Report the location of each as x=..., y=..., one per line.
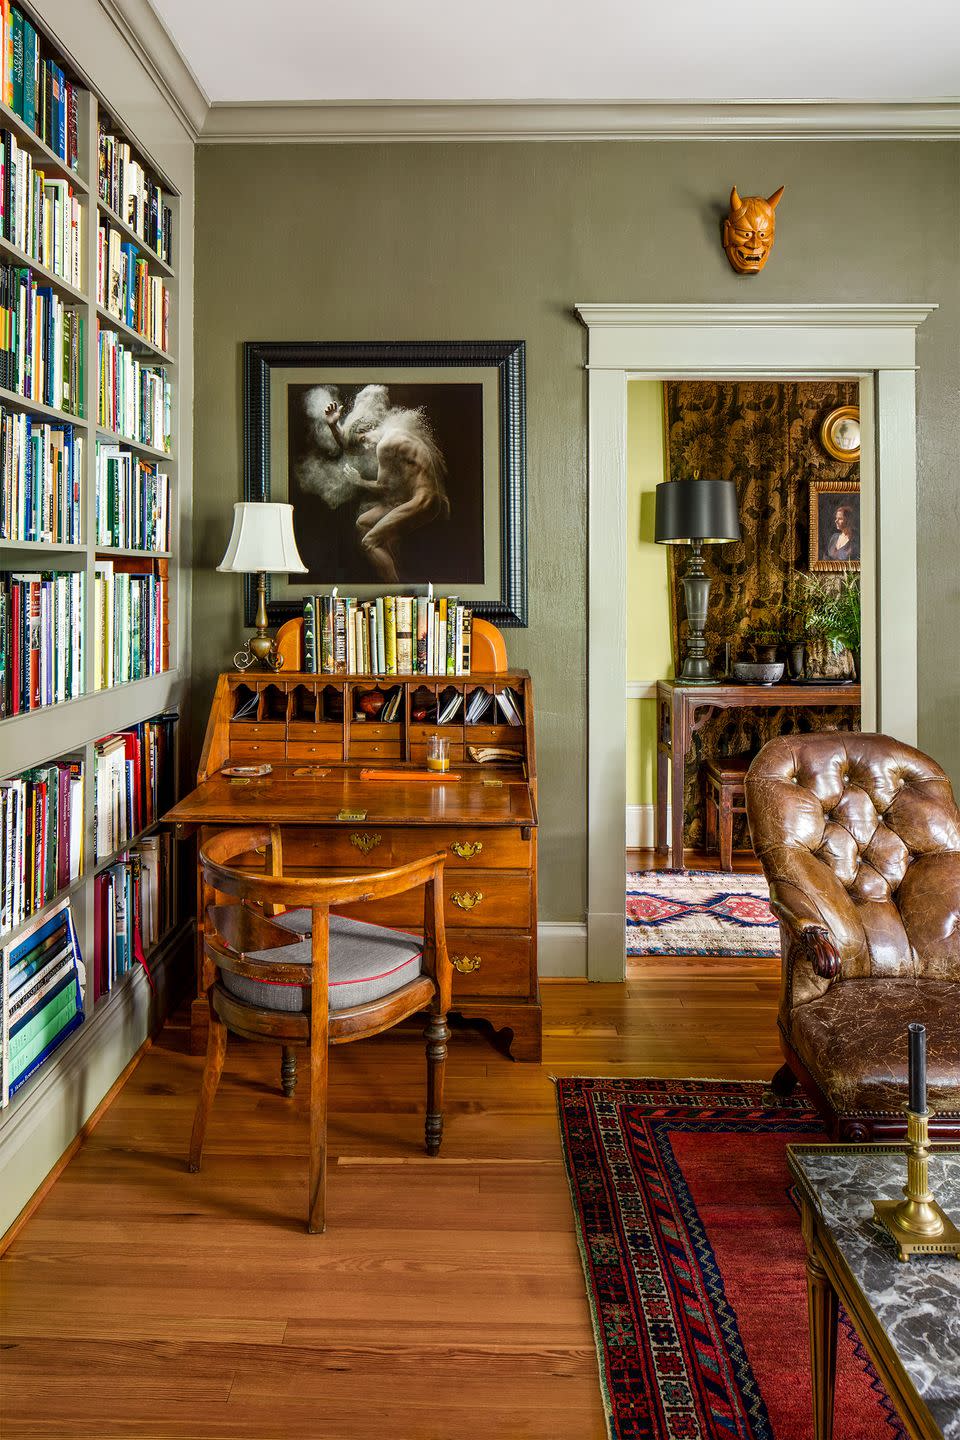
x=408, y=490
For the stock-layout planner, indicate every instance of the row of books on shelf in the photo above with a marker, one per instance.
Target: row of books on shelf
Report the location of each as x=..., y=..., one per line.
x=42, y=981
x=41, y=342
x=133, y=909
x=41, y=838
x=41, y=639
x=126, y=288
x=134, y=781
x=36, y=88
x=134, y=194
x=40, y=213
x=392, y=635
x=41, y=469
x=129, y=623
x=135, y=398
x=133, y=501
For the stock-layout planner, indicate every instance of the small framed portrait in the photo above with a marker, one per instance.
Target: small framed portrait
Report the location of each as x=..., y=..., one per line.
x=840, y=434
x=834, y=525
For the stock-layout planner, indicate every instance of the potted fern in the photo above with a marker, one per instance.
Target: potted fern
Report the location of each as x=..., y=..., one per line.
x=835, y=614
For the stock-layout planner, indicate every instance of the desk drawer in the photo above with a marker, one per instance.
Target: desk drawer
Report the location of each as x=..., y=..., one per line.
x=486, y=962
x=375, y=749
x=257, y=730
x=314, y=750
x=482, y=900
x=256, y=749
x=464, y=848
x=302, y=730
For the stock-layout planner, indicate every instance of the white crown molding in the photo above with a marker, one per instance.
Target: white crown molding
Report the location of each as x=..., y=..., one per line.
x=805, y=316
x=147, y=37
x=377, y=121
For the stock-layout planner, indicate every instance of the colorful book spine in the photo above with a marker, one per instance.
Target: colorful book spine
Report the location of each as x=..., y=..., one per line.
x=391, y=635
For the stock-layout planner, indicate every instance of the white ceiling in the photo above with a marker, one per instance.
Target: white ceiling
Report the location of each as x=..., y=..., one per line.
x=681, y=50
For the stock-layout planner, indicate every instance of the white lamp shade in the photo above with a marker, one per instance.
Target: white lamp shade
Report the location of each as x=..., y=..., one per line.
x=262, y=539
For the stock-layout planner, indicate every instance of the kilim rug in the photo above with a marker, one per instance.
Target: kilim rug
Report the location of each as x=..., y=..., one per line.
x=699, y=912
x=694, y=1262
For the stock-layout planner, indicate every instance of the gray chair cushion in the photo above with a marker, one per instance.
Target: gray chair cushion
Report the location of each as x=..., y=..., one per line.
x=365, y=963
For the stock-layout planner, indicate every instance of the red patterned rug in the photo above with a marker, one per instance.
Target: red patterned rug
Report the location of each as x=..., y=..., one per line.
x=694, y=1262
x=699, y=912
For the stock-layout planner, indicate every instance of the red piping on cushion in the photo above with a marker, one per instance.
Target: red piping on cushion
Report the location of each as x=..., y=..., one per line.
x=361, y=980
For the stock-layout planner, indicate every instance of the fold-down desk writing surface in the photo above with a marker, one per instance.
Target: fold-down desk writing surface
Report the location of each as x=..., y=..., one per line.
x=285, y=797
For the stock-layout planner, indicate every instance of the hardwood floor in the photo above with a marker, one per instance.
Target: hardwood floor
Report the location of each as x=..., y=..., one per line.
x=446, y=1298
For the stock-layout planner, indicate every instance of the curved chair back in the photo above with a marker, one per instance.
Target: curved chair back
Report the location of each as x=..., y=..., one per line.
x=860, y=834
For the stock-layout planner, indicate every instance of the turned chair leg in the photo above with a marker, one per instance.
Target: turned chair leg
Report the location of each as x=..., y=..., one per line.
x=784, y=1083
x=710, y=816
x=212, y=1070
x=288, y=1071
x=436, y=1035
x=726, y=833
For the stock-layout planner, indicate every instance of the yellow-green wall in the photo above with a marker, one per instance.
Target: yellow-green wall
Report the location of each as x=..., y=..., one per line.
x=649, y=656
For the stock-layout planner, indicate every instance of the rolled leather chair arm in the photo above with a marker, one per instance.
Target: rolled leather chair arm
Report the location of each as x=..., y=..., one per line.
x=806, y=931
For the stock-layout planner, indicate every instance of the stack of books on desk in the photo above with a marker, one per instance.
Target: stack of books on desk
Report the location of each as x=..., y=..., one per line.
x=392, y=635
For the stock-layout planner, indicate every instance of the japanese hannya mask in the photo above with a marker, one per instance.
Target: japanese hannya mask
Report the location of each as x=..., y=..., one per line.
x=748, y=231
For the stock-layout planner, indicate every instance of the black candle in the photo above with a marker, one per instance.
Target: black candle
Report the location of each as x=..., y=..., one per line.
x=917, y=1067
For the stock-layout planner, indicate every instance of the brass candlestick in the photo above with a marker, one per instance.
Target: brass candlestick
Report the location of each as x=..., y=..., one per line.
x=917, y=1223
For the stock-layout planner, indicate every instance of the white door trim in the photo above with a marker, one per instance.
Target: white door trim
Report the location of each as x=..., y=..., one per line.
x=874, y=342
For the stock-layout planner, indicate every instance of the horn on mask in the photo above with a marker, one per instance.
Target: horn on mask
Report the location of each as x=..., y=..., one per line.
x=735, y=202
x=775, y=198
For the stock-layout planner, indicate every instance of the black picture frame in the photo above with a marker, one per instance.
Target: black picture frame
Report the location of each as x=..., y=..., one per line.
x=508, y=608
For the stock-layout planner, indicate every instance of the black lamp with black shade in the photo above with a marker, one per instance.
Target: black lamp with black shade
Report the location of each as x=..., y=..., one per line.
x=696, y=513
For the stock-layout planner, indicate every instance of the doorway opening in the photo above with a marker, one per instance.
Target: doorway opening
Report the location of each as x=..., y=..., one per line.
x=771, y=594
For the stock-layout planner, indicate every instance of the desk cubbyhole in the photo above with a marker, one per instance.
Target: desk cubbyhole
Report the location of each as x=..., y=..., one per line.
x=509, y=702
x=244, y=704
x=304, y=702
x=481, y=706
x=379, y=704
x=330, y=705
x=273, y=702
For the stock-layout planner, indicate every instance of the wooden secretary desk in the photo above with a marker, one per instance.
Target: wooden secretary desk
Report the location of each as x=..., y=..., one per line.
x=333, y=819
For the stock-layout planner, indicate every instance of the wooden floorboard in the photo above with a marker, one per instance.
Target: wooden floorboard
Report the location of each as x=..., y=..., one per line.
x=445, y=1301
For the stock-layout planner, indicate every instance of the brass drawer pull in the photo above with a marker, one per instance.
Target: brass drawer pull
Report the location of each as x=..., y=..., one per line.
x=466, y=964
x=364, y=843
x=464, y=900
x=466, y=849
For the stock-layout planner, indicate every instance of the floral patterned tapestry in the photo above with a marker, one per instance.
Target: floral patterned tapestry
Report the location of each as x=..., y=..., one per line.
x=765, y=436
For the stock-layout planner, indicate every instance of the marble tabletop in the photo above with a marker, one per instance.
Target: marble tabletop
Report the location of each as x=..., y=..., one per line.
x=917, y=1303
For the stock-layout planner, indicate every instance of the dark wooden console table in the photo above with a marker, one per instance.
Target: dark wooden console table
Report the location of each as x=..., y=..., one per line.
x=682, y=710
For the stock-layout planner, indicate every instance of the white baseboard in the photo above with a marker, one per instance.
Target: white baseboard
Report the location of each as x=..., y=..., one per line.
x=641, y=827
x=562, y=949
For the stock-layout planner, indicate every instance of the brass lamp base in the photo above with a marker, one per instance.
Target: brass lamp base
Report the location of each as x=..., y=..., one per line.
x=917, y=1223
x=261, y=648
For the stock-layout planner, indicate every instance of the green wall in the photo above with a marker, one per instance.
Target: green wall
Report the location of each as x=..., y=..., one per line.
x=499, y=240
x=649, y=654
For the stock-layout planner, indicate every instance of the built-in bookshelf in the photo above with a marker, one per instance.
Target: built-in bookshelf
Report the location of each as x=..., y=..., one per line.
x=89, y=505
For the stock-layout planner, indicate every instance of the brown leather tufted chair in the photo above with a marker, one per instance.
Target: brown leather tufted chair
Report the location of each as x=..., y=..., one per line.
x=859, y=838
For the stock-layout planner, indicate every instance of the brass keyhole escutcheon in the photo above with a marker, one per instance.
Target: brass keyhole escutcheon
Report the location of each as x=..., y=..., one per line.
x=466, y=849
x=364, y=843
x=466, y=964
x=464, y=900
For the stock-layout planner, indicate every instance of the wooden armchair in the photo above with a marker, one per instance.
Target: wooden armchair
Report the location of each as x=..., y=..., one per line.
x=306, y=979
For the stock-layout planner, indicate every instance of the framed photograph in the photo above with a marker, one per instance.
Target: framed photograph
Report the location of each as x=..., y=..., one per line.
x=840, y=434
x=404, y=463
x=834, y=525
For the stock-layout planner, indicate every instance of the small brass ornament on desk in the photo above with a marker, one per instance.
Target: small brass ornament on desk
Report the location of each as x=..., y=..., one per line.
x=917, y=1223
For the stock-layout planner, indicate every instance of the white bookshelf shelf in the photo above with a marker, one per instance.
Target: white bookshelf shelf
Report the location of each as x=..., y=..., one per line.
x=51, y=164
x=156, y=261
x=113, y=437
x=137, y=342
x=37, y=407
x=57, y=283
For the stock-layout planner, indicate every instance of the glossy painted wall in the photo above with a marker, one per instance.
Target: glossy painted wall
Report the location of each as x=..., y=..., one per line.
x=499, y=240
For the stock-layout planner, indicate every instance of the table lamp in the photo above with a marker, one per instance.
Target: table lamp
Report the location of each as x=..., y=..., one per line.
x=696, y=513
x=262, y=541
